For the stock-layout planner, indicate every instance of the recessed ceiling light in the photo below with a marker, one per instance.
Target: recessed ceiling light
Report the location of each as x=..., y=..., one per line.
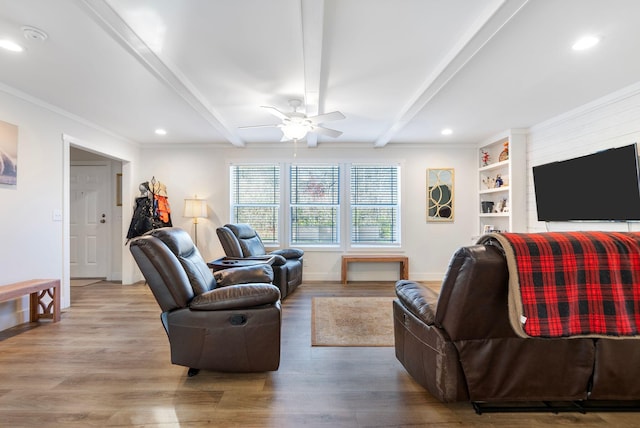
x=446, y=131
x=161, y=131
x=585, y=43
x=10, y=45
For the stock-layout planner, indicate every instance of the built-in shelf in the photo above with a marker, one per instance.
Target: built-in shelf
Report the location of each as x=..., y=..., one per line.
x=485, y=215
x=495, y=165
x=495, y=190
x=508, y=200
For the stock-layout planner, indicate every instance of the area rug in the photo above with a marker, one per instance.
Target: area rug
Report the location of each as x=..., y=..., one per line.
x=352, y=321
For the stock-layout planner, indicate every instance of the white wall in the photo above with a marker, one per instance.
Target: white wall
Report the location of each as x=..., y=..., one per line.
x=429, y=246
x=33, y=244
x=612, y=121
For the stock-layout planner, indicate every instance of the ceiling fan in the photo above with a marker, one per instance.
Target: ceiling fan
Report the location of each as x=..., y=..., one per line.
x=296, y=125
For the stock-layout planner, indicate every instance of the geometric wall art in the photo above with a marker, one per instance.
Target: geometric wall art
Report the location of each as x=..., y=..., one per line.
x=440, y=194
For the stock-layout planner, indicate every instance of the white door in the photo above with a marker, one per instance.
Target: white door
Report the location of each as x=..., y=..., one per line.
x=88, y=221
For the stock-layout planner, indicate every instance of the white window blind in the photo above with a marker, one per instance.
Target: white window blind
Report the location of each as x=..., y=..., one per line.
x=255, y=198
x=315, y=204
x=375, y=204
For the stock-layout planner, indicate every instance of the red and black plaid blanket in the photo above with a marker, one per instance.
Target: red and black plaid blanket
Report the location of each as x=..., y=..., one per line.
x=568, y=284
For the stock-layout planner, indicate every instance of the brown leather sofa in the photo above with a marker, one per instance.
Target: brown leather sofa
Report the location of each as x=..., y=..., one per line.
x=460, y=346
x=240, y=240
x=229, y=322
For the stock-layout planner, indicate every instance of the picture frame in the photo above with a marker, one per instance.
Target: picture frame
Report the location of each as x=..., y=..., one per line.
x=8, y=154
x=488, y=228
x=440, y=194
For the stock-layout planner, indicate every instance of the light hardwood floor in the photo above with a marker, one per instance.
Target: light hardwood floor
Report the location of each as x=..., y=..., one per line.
x=107, y=364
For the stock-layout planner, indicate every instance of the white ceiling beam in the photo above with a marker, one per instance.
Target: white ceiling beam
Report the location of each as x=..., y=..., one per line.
x=116, y=27
x=496, y=16
x=312, y=12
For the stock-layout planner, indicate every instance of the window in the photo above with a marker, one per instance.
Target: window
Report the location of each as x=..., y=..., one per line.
x=255, y=198
x=316, y=212
x=374, y=204
x=315, y=204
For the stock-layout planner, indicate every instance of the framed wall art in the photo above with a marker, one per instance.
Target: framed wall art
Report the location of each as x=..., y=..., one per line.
x=440, y=194
x=8, y=154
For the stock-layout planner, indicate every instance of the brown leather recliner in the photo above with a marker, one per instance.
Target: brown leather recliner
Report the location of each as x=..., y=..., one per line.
x=229, y=323
x=240, y=240
x=460, y=345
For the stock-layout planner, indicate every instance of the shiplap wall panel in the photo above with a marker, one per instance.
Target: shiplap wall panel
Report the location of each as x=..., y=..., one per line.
x=612, y=121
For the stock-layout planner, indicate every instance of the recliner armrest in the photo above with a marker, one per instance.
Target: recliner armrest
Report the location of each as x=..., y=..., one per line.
x=278, y=260
x=261, y=273
x=238, y=296
x=289, y=253
x=420, y=300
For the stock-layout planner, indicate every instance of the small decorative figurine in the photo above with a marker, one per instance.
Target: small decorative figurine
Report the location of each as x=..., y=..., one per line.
x=489, y=182
x=504, y=155
x=503, y=206
x=485, y=158
x=499, y=181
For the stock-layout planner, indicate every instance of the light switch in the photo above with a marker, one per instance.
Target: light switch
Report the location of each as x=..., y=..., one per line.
x=57, y=215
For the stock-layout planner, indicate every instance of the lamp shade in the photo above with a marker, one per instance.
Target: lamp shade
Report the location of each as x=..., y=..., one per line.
x=195, y=208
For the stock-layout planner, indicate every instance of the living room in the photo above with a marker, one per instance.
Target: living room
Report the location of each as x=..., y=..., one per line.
x=36, y=239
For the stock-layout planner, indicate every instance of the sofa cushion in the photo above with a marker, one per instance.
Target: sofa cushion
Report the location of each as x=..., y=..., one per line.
x=420, y=300
x=249, y=240
x=180, y=244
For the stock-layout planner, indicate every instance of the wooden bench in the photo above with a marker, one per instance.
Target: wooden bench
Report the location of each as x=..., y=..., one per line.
x=403, y=260
x=37, y=290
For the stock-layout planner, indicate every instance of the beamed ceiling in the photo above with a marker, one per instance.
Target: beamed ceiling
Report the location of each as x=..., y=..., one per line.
x=399, y=70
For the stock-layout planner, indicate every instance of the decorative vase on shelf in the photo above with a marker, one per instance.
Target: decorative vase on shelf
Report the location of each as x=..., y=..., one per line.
x=504, y=155
x=486, y=207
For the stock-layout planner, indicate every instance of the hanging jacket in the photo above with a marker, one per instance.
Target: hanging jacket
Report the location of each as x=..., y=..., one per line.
x=162, y=209
x=141, y=222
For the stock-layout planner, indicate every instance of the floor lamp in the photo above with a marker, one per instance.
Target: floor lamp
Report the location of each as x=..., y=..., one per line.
x=195, y=208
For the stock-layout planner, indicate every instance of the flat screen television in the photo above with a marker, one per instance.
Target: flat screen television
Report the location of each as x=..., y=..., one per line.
x=602, y=186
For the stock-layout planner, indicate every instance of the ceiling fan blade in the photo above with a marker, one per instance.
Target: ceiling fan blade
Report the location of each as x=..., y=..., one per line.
x=326, y=131
x=259, y=126
x=326, y=117
x=277, y=113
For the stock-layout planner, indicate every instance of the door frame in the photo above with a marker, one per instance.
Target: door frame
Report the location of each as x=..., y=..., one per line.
x=126, y=265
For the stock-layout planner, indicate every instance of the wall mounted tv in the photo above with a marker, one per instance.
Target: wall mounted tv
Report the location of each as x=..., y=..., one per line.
x=602, y=186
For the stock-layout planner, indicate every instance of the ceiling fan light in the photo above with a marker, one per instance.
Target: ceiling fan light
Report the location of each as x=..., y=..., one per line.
x=295, y=131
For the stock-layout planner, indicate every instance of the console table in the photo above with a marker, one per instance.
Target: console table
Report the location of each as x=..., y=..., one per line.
x=403, y=260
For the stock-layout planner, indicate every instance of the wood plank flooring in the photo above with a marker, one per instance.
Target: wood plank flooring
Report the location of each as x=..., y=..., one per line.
x=107, y=364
